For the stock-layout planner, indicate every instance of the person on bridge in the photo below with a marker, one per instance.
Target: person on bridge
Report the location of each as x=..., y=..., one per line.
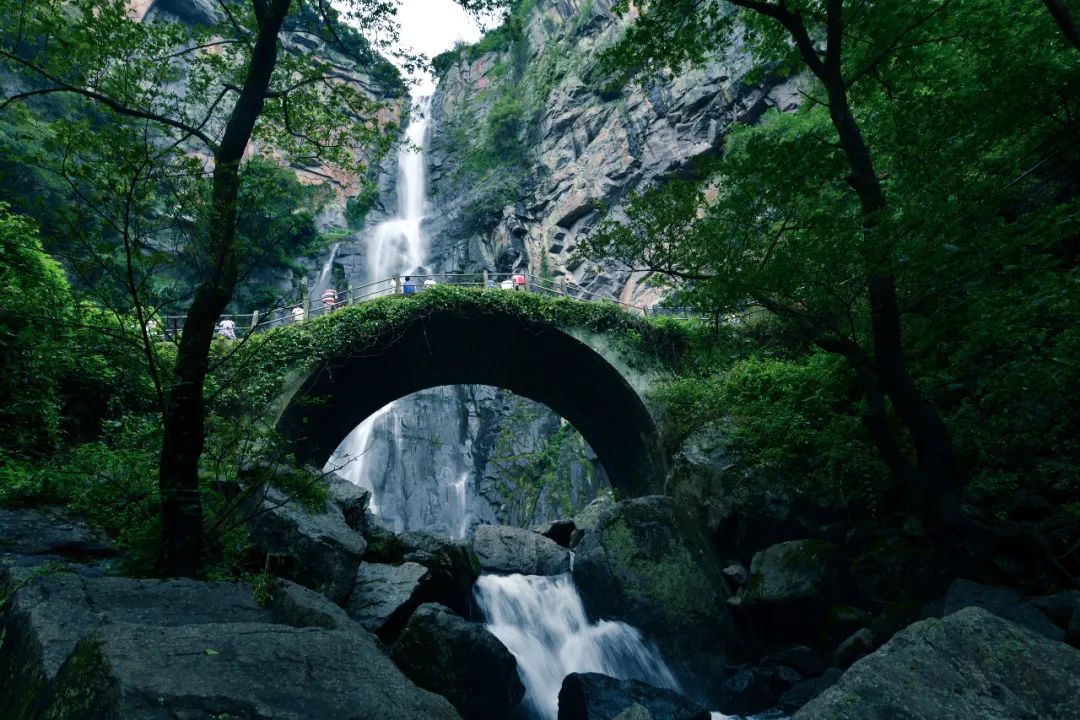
x=329, y=299
x=297, y=314
x=226, y=329
x=519, y=282
x=410, y=287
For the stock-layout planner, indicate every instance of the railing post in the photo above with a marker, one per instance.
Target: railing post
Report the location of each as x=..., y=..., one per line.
x=562, y=285
x=528, y=287
x=397, y=284
x=307, y=302
x=485, y=281
x=254, y=320
x=348, y=294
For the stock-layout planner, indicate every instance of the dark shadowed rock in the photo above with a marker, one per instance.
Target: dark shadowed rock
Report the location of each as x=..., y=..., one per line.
x=636, y=562
x=454, y=568
x=971, y=665
x=860, y=643
x=1059, y=607
x=299, y=606
x=800, y=658
x=807, y=690
x=461, y=661
x=1003, y=602
x=51, y=531
x=268, y=672
x=791, y=586
x=558, y=530
x=1072, y=631
x=385, y=596
x=754, y=688
x=504, y=549
x=316, y=549
x=592, y=696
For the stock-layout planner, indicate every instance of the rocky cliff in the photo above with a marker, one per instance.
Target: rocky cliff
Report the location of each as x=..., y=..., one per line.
x=530, y=143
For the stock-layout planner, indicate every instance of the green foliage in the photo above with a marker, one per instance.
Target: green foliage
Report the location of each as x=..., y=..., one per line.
x=357, y=207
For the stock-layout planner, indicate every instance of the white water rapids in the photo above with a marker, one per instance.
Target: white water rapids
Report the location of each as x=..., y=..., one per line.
x=542, y=622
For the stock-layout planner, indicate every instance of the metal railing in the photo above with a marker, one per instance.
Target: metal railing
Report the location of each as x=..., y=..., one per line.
x=238, y=325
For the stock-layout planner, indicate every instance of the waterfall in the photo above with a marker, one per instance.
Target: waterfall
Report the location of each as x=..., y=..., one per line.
x=352, y=461
x=398, y=245
x=542, y=621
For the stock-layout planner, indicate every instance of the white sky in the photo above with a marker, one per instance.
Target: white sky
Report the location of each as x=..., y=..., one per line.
x=432, y=26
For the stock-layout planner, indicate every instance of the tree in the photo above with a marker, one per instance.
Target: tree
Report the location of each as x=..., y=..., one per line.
x=805, y=244
x=201, y=92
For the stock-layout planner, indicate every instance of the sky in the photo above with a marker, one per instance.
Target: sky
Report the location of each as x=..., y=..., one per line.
x=432, y=26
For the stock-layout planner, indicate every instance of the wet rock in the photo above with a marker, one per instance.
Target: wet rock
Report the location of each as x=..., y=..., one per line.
x=1003, y=602
x=791, y=586
x=299, y=606
x=461, y=661
x=316, y=549
x=969, y=665
x=843, y=620
x=507, y=550
x=807, y=690
x=385, y=596
x=755, y=688
x=592, y=696
x=636, y=562
x=737, y=573
x=53, y=532
x=1059, y=607
x=271, y=672
x=856, y=646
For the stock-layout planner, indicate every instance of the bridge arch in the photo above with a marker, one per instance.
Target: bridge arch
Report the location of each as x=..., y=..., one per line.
x=471, y=343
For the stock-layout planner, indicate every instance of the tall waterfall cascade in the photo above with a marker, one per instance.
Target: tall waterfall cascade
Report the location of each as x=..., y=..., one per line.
x=542, y=621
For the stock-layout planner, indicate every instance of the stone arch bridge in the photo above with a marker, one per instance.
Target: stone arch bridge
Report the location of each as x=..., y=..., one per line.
x=592, y=363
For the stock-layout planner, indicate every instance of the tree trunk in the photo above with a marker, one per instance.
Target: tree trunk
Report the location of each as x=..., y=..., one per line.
x=1065, y=21
x=184, y=426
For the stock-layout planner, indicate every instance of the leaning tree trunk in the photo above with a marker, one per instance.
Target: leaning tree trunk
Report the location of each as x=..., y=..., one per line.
x=184, y=423
x=1064, y=20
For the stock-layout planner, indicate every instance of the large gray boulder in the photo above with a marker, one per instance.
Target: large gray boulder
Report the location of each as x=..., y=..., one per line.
x=635, y=561
x=385, y=596
x=592, y=696
x=351, y=499
x=317, y=549
x=505, y=550
x=461, y=661
x=53, y=532
x=255, y=671
x=1003, y=602
x=971, y=664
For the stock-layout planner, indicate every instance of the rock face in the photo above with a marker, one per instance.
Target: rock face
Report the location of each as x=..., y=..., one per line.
x=461, y=661
x=971, y=664
x=591, y=696
x=1003, y=602
x=635, y=562
x=385, y=596
x=53, y=532
x=505, y=550
x=316, y=549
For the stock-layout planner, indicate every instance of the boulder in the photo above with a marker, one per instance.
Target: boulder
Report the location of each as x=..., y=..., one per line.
x=50, y=608
x=636, y=562
x=736, y=573
x=799, y=658
x=1060, y=607
x=52, y=532
x=791, y=586
x=506, y=550
x=316, y=549
x=558, y=530
x=755, y=688
x=807, y=690
x=269, y=672
x=592, y=696
x=970, y=664
x=385, y=596
x=299, y=606
x=860, y=643
x=352, y=500
x=1003, y=602
x=461, y=661
x=454, y=568
x=1072, y=631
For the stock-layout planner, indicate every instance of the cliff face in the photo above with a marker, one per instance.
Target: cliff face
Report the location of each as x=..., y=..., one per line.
x=582, y=147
